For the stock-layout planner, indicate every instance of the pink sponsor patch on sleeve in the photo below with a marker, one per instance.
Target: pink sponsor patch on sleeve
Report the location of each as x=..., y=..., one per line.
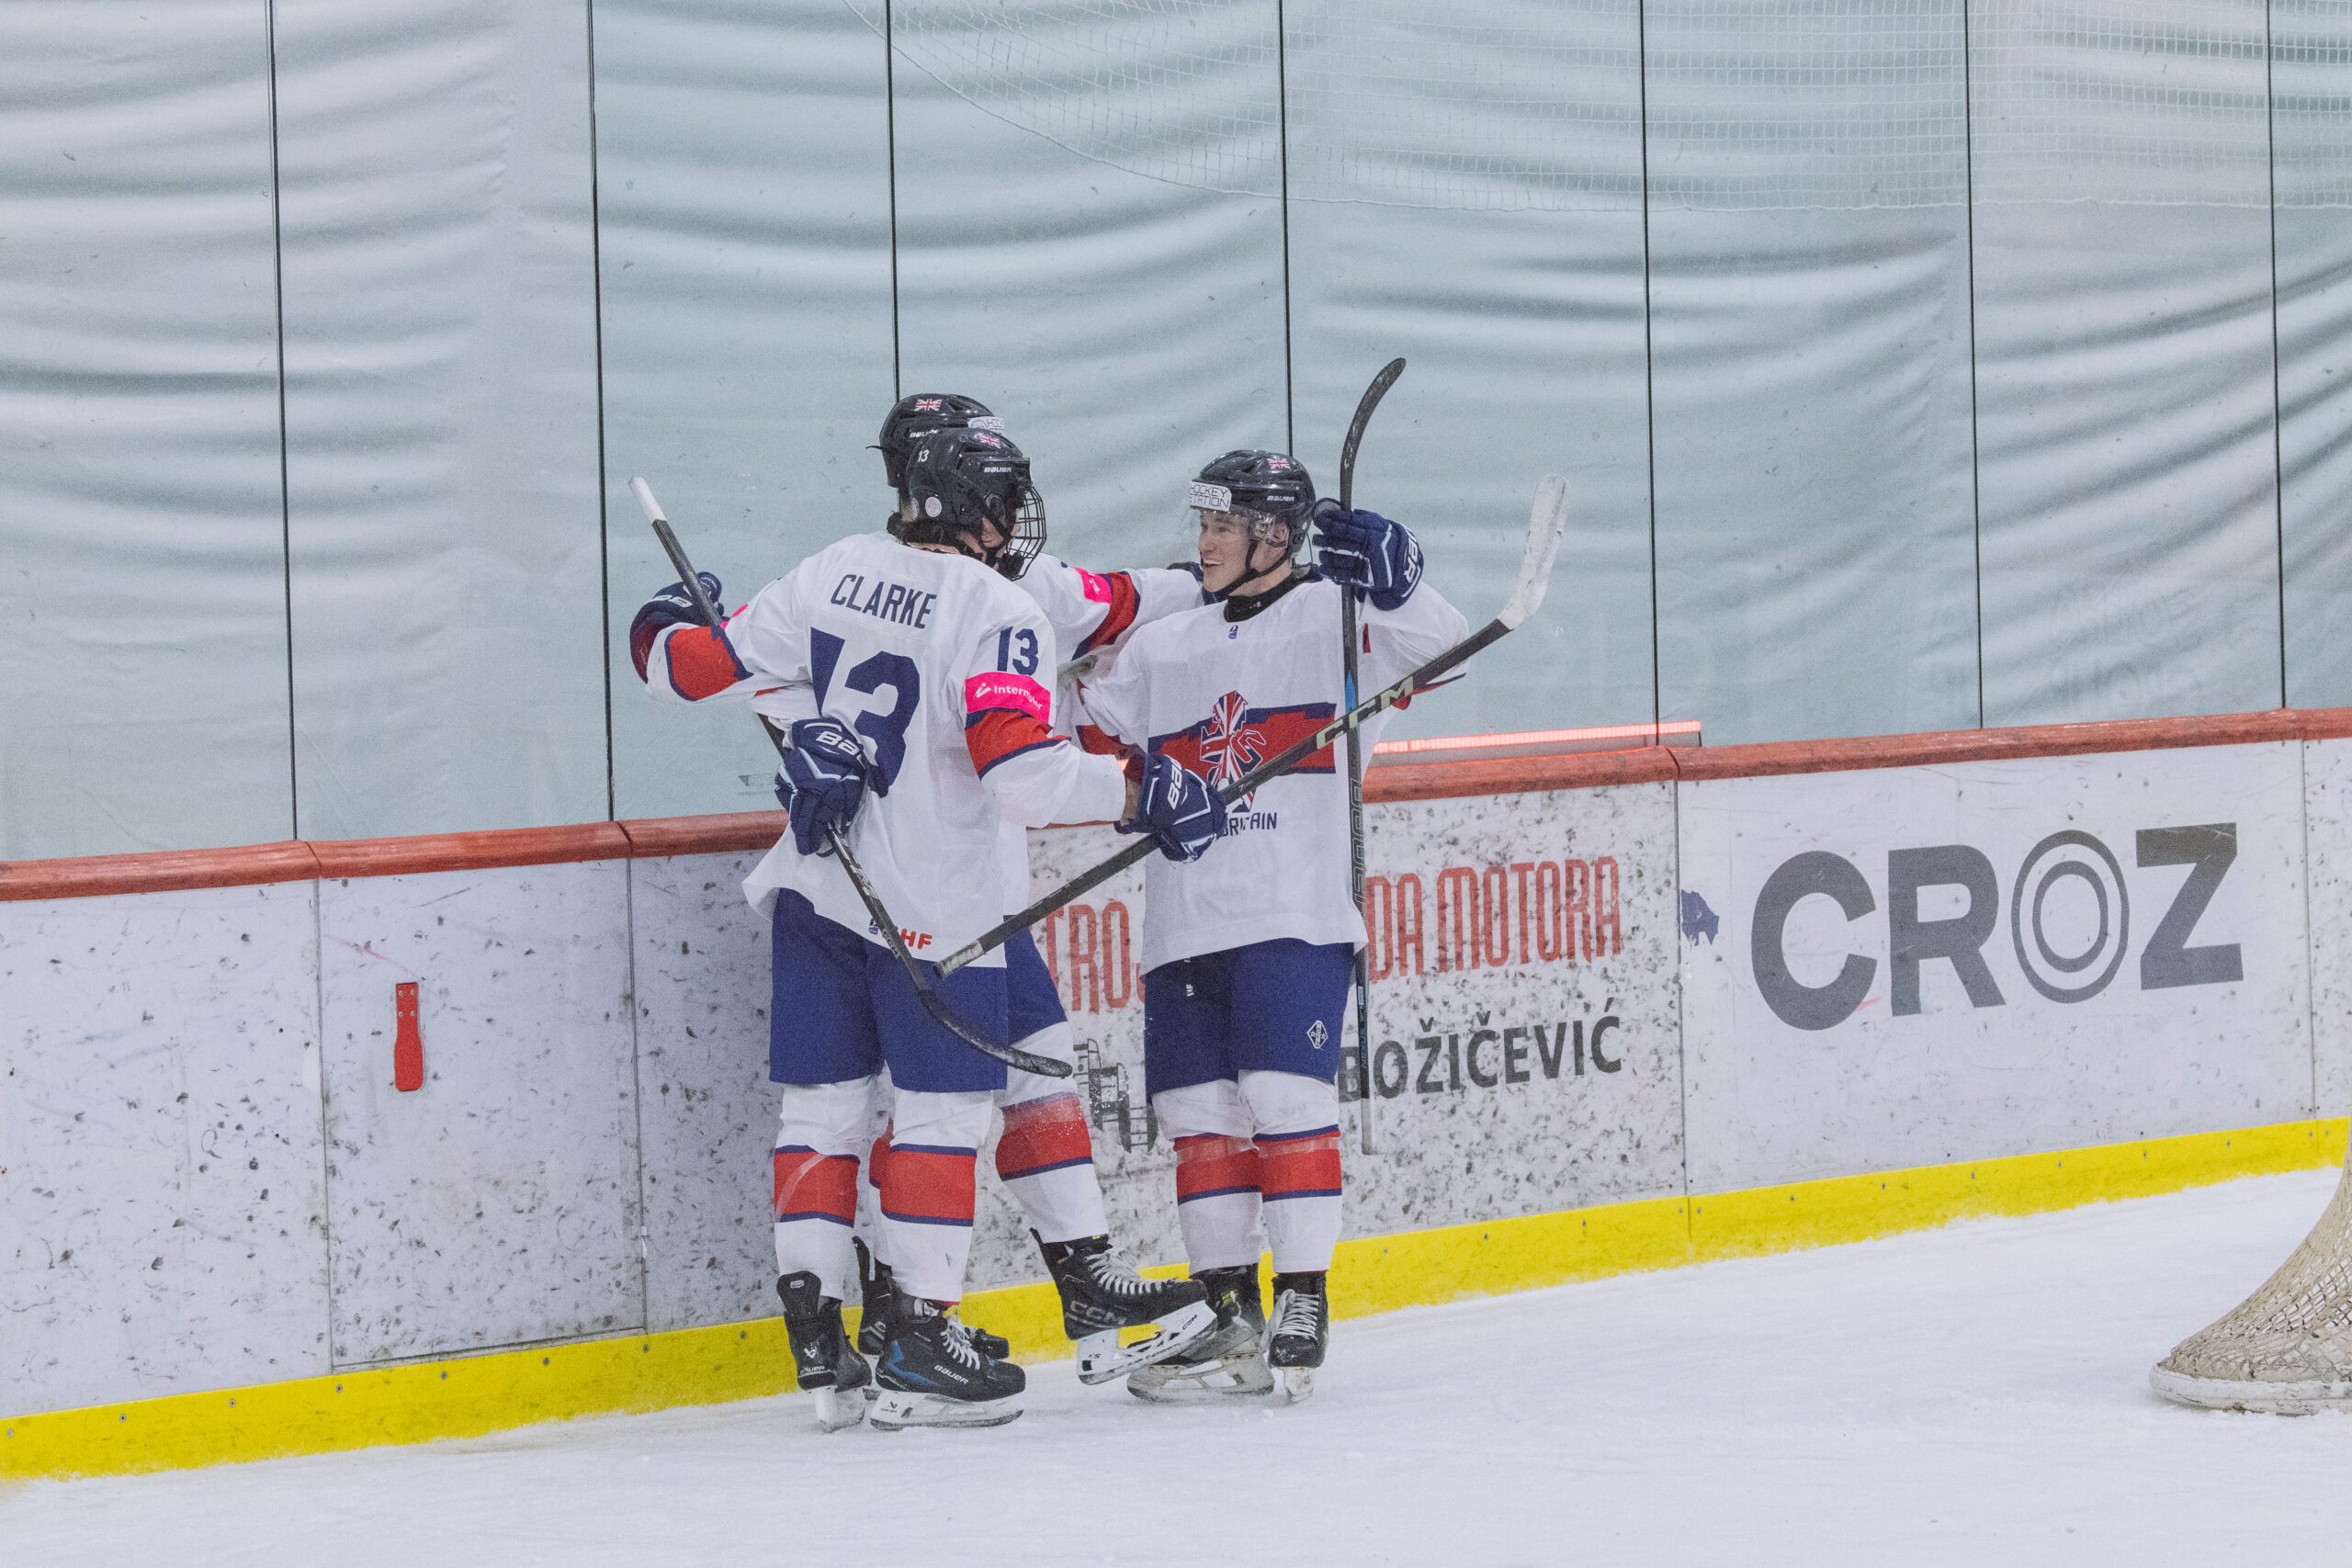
x=996, y=691
x=1098, y=589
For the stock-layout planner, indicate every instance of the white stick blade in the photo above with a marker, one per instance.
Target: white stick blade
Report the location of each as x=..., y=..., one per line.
x=1544, y=525
x=645, y=499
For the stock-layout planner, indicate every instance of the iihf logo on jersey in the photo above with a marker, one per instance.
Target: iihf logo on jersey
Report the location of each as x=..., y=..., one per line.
x=1230, y=744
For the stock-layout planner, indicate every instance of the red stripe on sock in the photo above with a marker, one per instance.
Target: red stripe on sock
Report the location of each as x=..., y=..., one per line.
x=1301, y=1167
x=1206, y=1163
x=1042, y=1135
x=878, y=1160
x=810, y=1185
x=929, y=1186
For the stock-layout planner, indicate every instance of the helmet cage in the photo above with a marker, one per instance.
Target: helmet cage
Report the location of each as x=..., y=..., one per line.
x=1024, y=536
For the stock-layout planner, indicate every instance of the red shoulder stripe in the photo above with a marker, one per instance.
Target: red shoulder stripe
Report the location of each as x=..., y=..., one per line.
x=1125, y=601
x=702, y=662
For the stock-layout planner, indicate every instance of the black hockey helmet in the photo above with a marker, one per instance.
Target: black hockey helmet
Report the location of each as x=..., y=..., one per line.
x=1271, y=490
x=911, y=418
x=960, y=477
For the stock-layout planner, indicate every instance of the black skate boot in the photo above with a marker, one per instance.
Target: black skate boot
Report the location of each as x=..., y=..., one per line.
x=880, y=1294
x=1225, y=1364
x=1301, y=1327
x=821, y=1357
x=1101, y=1295
x=932, y=1374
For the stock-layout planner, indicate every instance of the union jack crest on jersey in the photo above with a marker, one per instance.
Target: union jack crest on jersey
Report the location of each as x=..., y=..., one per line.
x=1230, y=744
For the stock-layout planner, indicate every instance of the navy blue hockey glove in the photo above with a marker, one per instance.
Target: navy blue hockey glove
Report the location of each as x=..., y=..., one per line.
x=1364, y=551
x=673, y=607
x=823, y=780
x=1176, y=806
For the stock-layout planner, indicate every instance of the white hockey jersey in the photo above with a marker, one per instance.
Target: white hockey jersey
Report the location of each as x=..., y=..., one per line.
x=944, y=670
x=1222, y=696
x=1092, y=613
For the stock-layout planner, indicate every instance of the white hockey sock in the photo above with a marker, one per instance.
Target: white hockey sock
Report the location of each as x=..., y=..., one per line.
x=928, y=1191
x=1045, y=1157
x=815, y=1162
x=869, y=1197
x=1216, y=1173
x=1298, y=1164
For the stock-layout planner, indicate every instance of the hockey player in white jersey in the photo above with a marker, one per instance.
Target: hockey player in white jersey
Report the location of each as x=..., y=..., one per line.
x=1247, y=953
x=928, y=725
x=1045, y=1156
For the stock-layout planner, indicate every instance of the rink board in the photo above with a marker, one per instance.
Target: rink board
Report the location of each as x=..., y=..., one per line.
x=470, y=1396
x=1611, y=1030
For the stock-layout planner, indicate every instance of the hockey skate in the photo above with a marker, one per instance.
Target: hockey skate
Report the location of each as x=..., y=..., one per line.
x=931, y=1375
x=821, y=1357
x=1101, y=1295
x=1301, y=1329
x=1227, y=1363
x=880, y=1296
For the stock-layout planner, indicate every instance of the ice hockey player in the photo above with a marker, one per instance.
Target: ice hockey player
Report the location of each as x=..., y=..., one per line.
x=926, y=725
x=1247, y=953
x=1045, y=1154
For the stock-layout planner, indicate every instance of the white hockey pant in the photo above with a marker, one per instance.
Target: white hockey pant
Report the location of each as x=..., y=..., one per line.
x=1257, y=1169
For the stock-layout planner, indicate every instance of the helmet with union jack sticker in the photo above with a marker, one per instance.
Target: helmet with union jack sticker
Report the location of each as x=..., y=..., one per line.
x=918, y=414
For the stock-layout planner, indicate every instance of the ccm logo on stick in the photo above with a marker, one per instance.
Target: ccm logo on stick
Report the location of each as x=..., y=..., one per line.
x=2072, y=869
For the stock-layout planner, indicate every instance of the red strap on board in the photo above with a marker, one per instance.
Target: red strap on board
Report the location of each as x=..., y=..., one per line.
x=408, y=1046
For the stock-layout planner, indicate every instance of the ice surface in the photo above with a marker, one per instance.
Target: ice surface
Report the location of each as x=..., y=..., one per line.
x=1971, y=1396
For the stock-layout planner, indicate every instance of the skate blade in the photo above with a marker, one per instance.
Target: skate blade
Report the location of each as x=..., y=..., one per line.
x=1241, y=1378
x=1101, y=1357
x=895, y=1411
x=1297, y=1382
x=836, y=1410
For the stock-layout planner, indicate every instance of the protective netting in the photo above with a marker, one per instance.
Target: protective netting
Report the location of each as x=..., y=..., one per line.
x=2298, y=1327
x=2311, y=70
x=2142, y=101
x=1178, y=90
x=1750, y=104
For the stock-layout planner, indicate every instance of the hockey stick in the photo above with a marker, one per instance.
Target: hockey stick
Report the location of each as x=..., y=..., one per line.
x=1543, y=526
x=1011, y=1055
x=1364, y=405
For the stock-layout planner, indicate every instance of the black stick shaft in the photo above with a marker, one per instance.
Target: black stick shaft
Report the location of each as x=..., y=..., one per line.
x=1348, y=657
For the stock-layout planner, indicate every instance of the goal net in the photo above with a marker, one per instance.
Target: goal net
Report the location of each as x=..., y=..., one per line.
x=2286, y=1349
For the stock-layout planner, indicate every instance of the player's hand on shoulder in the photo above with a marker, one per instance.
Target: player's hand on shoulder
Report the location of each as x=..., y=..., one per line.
x=671, y=608
x=1175, y=806
x=1362, y=551
x=823, y=780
